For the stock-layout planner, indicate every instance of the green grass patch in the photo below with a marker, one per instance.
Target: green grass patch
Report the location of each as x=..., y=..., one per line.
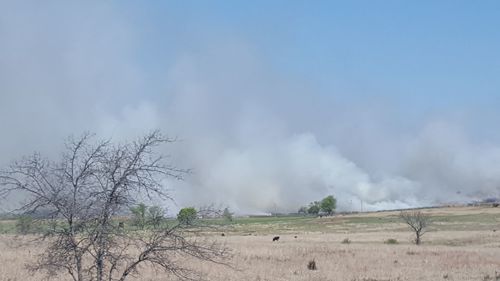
x=7, y=227
x=372, y=220
x=294, y=224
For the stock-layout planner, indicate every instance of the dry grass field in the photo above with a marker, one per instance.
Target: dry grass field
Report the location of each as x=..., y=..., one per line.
x=462, y=244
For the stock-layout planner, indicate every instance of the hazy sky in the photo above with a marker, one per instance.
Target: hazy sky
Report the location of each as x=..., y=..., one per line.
x=277, y=103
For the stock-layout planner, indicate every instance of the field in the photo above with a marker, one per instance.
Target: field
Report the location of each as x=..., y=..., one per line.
x=462, y=244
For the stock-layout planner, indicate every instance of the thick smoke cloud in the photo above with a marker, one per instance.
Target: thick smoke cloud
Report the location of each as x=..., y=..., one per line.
x=451, y=166
x=256, y=139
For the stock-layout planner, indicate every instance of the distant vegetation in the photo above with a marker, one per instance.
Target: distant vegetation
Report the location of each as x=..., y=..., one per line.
x=326, y=206
x=24, y=224
x=187, y=215
x=391, y=241
x=346, y=241
x=144, y=216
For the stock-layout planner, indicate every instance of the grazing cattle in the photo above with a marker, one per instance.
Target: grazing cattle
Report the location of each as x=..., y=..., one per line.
x=276, y=238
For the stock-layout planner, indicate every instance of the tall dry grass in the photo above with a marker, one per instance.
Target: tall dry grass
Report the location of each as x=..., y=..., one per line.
x=473, y=255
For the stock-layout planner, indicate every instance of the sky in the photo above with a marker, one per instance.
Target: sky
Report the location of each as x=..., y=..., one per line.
x=275, y=103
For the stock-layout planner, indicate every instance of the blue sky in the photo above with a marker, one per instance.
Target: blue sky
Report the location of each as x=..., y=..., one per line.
x=442, y=51
x=277, y=102
x=425, y=57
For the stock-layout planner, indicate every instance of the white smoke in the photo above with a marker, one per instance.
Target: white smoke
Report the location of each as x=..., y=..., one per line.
x=291, y=172
x=257, y=140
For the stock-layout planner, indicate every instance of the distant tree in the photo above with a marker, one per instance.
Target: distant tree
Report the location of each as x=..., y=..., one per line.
x=209, y=211
x=227, y=215
x=314, y=208
x=328, y=204
x=139, y=213
x=302, y=210
x=417, y=221
x=155, y=216
x=187, y=215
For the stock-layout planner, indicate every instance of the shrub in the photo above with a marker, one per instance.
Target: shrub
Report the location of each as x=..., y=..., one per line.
x=311, y=265
x=24, y=224
x=346, y=241
x=391, y=241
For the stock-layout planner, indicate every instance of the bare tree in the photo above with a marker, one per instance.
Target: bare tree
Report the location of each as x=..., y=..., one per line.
x=92, y=183
x=417, y=221
x=155, y=216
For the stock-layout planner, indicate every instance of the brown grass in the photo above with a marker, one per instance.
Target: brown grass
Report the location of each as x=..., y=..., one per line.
x=445, y=255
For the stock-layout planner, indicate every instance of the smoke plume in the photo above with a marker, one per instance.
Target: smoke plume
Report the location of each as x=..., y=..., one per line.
x=257, y=139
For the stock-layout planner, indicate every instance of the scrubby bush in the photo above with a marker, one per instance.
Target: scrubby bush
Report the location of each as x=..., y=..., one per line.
x=391, y=241
x=311, y=265
x=24, y=224
x=346, y=241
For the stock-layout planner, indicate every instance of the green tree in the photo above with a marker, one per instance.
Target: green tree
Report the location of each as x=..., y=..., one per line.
x=187, y=215
x=314, y=208
x=328, y=204
x=139, y=213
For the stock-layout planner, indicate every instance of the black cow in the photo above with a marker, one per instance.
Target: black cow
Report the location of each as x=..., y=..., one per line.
x=276, y=238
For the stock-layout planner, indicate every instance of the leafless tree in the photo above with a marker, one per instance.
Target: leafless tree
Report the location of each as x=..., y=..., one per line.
x=93, y=181
x=417, y=221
